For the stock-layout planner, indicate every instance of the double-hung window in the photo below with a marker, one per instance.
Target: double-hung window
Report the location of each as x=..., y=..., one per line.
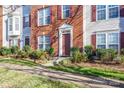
x=13, y=42
x=44, y=42
x=113, y=11
x=113, y=40
x=65, y=11
x=10, y=23
x=44, y=16
x=16, y=24
x=108, y=40
x=101, y=12
x=26, y=21
x=101, y=40
x=104, y=12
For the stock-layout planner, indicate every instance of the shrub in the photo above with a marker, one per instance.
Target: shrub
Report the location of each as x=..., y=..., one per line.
x=122, y=59
x=122, y=51
x=27, y=49
x=106, y=55
x=100, y=53
x=36, y=55
x=74, y=49
x=5, y=51
x=51, y=52
x=14, y=49
x=89, y=51
x=77, y=56
x=22, y=54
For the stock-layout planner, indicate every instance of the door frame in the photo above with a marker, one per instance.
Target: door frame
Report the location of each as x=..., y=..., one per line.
x=65, y=29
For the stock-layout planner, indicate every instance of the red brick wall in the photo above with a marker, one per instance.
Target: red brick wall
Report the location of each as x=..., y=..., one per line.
x=76, y=20
x=1, y=25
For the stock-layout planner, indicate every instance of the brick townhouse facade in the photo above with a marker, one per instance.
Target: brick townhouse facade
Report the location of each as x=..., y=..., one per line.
x=58, y=26
x=104, y=26
x=62, y=27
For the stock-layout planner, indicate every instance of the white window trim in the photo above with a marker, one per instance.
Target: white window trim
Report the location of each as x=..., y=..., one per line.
x=9, y=23
x=107, y=13
x=62, y=12
x=99, y=10
x=44, y=42
x=106, y=35
x=44, y=17
x=18, y=23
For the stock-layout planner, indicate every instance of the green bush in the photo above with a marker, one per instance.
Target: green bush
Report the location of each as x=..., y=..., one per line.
x=27, y=49
x=74, y=49
x=77, y=56
x=36, y=55
x=122, y=58
x=51, y=52
x=122, y=51
x=14, y=49
x=106, y=55
x=22, y=54
x=88, y=50
x=5, y=51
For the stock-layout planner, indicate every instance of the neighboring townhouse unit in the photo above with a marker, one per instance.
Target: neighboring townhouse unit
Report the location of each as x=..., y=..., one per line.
x=104, y=26
x=12, y=25
x=58, y=26
x=25, y=36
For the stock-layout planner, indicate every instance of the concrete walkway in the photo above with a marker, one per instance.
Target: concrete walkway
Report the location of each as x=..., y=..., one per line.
x=82, y=80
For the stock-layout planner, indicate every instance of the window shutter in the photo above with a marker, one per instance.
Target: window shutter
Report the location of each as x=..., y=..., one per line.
x=23, y=22
x=29, y=20
x=122, y=11
x=122, y=40
x=38, y=39
x=93, y=13
x=9, y=42
x=51, y=16
x=93, y=40
x=71, y=11
x=59, y=12
x=18, y=42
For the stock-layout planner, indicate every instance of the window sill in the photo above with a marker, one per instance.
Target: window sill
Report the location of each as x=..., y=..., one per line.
x=107, y=19
x=44, y=25
x=65, y=18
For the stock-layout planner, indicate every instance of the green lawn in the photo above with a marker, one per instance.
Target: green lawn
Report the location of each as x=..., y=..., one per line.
x=92, y=71
x=16, y=79
x=18, y=62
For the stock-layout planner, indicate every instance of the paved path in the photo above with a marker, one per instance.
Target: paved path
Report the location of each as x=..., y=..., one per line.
x=82, y=80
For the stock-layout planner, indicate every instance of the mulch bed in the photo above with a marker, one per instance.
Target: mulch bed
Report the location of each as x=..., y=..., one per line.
x=118, y=67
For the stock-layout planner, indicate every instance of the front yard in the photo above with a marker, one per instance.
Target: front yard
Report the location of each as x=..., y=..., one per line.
x=16, y=79
x=91, y=71
x=24, y=73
